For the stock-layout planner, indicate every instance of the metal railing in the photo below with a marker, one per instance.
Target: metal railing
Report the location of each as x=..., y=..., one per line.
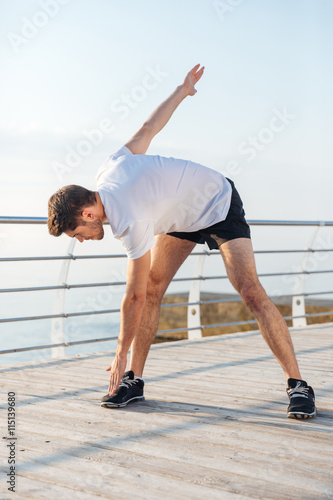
x=194, y=326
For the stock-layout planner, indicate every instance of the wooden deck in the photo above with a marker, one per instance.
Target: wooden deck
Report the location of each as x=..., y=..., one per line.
x=213, y=425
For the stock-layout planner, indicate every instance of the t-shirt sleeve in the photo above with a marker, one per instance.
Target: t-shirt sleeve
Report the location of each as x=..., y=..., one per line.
x=138, y=238
x=121, y=152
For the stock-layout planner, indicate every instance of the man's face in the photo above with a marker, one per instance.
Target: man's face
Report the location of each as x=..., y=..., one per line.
x=90, y=231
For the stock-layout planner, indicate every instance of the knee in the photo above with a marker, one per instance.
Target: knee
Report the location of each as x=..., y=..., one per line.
x=253, y=295
x=156, y=288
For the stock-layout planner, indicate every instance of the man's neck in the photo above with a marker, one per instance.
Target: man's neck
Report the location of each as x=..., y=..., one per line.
x=100, y=208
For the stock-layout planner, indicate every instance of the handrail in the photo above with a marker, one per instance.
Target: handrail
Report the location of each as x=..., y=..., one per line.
x=196, y=325
x=23, y=220
x=252, y=222
x=301, y=223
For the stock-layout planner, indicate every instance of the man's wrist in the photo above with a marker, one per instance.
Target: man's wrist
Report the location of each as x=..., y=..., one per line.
x=183, y=92
x=121, y=353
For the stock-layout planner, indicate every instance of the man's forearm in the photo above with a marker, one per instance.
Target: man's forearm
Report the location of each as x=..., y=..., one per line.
x=131, y=312
x=140, y=142
x=160, y=117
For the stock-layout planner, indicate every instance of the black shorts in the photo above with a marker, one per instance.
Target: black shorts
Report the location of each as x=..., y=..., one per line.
x=234, y=226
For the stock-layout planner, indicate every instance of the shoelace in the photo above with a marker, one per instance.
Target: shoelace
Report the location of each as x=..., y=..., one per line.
x=127, y=382
x=299, y=391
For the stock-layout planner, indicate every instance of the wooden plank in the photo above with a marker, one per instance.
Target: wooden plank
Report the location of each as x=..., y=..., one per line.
x=46, y=489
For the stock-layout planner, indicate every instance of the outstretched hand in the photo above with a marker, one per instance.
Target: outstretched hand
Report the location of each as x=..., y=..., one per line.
x=192, y=78
x=117, y=370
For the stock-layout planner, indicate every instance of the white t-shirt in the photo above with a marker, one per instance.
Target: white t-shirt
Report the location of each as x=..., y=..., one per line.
x=146, y=195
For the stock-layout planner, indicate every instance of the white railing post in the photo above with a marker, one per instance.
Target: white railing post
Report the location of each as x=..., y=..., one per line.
x=193, y=312
x=298, y=303
x=57, y=329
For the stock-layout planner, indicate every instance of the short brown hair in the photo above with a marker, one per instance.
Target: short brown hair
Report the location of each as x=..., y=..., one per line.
x=65, y=208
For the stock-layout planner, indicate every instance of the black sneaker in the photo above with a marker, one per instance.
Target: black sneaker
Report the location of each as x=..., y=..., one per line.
x=302, y=399
x=129, y=390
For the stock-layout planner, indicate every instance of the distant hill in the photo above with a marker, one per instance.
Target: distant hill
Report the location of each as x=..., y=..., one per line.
x=227, y=312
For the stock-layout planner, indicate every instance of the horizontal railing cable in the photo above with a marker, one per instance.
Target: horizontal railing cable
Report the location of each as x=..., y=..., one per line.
x=62, y=257
x=61, y=315
x=120, y=256
x=62, y=344
x=122, y=283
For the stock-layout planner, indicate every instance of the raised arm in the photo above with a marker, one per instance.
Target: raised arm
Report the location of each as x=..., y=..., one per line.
x=140, y=142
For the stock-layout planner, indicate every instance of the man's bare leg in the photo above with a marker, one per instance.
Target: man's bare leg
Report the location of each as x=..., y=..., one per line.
x=167, y=256
x=241, y=270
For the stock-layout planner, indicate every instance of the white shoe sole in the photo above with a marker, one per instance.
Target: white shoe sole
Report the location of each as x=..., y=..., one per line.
x=300, y=415
x=105, y=404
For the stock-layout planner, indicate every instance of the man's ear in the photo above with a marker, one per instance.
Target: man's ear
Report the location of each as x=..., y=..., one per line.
x=87, y=214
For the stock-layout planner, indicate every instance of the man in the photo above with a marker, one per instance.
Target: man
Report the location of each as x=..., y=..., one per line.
x=182, y=203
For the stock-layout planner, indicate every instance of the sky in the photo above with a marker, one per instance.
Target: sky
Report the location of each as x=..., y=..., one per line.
x=80, y=77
